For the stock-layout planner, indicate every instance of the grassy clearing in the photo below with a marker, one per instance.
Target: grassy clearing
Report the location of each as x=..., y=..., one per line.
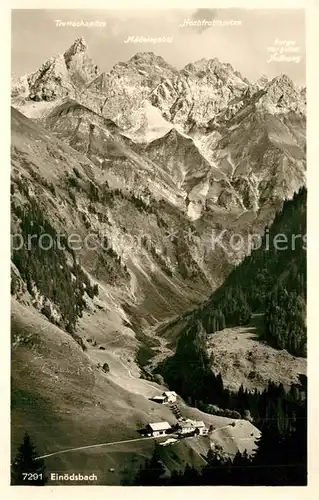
x=242, y=358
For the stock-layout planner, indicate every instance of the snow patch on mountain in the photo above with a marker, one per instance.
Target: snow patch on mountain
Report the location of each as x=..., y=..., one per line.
x=150, y=124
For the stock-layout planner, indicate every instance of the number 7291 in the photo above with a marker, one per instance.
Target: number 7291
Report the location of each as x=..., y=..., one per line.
x=31, y=476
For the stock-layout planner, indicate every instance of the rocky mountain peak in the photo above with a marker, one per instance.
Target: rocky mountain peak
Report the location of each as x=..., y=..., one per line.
x=212, y=66
x=282, y=95
x=173, y=136
x=78, y=46
x=144, y=56
x=61, y=76
x=81, y=67
x=149, y=58
x=201, y=65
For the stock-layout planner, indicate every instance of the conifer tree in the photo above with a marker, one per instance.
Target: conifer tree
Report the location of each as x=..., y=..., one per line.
x=26, y=469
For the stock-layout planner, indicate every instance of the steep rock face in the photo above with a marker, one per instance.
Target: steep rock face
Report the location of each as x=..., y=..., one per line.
x=116, y=155
x=241, y=359
x=127, y=85
x=20, y=87
x=78, y=63
x=277, y=97
x=83, y=129
x=198, y=93
x=261, y=146
x=180, y=157
x=126, y=204
x=50, y=81
x=150, y=163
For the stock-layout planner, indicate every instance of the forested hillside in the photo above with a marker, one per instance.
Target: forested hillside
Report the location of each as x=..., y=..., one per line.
x=272, y=279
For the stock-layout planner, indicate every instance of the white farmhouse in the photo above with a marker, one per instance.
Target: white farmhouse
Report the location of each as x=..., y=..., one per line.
x=188, y=426
x=158, y=429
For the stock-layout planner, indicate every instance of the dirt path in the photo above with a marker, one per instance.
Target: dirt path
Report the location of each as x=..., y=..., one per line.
x=94, y=446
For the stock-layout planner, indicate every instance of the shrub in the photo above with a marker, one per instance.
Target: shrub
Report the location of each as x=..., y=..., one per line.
x=77, y=173
x=106, y=368
x=159, y=379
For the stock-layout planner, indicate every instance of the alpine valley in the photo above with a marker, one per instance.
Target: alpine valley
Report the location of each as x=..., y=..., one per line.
x=126, y=178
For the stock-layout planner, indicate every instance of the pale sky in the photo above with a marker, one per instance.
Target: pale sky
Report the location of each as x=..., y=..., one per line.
x=35, y=38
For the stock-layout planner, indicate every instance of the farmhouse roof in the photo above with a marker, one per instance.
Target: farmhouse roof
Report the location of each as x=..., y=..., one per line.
x=170, y=393
x=160, y=426
x=194, y=424
x=199, y=423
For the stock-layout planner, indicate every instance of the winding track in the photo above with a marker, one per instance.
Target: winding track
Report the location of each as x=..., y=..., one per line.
x=93, y=446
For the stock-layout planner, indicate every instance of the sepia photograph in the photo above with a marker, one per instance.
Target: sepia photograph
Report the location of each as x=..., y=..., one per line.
x=158, y=247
